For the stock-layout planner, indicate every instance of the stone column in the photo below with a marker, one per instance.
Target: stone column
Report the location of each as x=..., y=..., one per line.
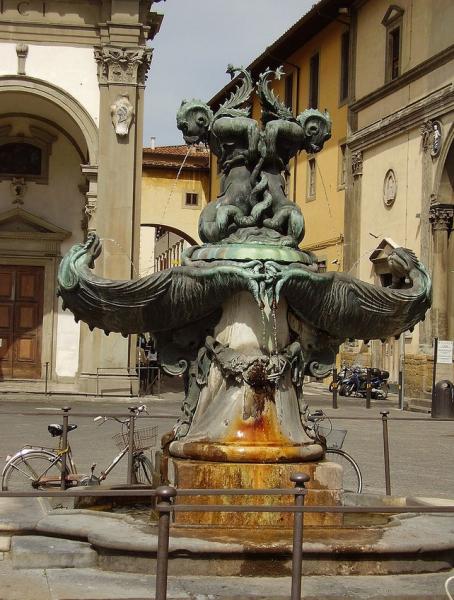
x=121, y=74
x=441, y=218
x=352, y=224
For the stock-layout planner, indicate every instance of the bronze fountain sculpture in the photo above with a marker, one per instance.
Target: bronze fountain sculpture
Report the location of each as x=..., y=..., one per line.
x=247, y=314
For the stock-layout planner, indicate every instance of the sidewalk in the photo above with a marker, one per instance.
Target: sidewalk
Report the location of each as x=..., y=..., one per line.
x=91, y=584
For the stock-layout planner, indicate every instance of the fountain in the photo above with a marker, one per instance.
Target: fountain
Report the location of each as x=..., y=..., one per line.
x=247, y=314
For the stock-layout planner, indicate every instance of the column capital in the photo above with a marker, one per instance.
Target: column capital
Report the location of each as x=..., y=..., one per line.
x=127, y=66
x=441, y=216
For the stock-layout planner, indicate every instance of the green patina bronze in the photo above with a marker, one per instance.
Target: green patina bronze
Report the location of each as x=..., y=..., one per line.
x=251, y=234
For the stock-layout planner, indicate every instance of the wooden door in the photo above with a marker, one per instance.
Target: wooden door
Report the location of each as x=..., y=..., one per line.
x=21, y=314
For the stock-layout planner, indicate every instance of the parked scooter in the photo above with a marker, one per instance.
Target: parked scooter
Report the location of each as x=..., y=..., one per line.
x=356, y=385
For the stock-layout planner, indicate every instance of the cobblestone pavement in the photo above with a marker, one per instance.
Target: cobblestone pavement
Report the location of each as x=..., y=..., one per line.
x=421, y=448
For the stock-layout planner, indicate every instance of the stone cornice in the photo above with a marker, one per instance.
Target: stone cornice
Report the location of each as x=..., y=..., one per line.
x=412, y=115
x=416, y=72
x=323, y=243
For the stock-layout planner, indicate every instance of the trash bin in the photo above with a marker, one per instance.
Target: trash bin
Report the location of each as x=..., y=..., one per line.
x=443, y=400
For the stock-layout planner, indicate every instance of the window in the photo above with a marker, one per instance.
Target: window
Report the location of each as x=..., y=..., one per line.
x=313, y=80
x=311, y=179
x=345, y=63
x=192, y=199
x=342, y=167
x=25, y=157
x=20, y=159
x=393, y=21
x=289, y=91
x=393, y=66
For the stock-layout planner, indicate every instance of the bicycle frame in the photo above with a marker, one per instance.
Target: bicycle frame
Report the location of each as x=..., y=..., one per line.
x=55, y=455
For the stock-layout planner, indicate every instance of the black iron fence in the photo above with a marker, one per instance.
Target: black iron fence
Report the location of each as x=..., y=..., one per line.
x=165, y=505
x=133, y=415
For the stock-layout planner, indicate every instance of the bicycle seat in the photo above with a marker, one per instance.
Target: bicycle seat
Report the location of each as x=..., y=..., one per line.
x=56, y=430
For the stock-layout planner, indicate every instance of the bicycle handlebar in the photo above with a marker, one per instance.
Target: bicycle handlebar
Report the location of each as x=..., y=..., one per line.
x=100, y=420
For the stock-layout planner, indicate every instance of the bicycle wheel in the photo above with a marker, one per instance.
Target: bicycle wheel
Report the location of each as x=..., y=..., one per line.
x=352, y=478
x=143, y=469
x=35, y=470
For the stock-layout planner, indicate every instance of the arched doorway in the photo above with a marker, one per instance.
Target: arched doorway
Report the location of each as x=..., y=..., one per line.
x=49, y=140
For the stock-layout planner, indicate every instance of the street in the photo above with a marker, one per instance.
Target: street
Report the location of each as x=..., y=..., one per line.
x=421, y=449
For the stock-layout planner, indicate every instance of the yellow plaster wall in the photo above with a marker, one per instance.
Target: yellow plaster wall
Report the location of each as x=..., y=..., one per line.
x=324, y=215
x=163, y=199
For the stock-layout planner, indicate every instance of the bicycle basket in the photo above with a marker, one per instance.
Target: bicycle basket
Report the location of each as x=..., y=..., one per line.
x=334, y=437
x=143, y=438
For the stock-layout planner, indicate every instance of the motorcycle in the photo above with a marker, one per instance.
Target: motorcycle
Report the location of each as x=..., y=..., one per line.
x=356, y=385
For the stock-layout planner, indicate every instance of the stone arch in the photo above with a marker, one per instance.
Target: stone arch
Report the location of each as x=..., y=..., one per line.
x=179, y=232
x=68, y=105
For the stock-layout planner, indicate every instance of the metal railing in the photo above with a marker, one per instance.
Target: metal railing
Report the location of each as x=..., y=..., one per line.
x=132, y=416
x=134, y=374
x=165, y=505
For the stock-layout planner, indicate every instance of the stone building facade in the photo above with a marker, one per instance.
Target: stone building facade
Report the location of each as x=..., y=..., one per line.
x=72, y=78
x=401, y=162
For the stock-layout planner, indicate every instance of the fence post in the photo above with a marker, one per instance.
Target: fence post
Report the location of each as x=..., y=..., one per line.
x=132, y=418
x=384, y=418
x=164, y=495
x=299, y=479
x=335, y=387
x=401, y=390
x=434, y=370
x=368, y=388
x=46, y=380
x=64, y=443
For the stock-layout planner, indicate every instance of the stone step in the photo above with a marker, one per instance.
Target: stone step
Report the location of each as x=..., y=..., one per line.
x=41, y=552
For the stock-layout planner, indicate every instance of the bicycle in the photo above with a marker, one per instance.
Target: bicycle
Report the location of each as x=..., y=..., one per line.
x=332, y=440
x=41, y=467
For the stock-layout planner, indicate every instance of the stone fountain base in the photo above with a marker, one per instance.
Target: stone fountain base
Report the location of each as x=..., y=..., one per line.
x=324, y=488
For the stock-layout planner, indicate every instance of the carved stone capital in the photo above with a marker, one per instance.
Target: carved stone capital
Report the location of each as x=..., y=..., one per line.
x=91, y=197
x=441, y=217
x=122, y=65
x=22, y=53
x=357, y=163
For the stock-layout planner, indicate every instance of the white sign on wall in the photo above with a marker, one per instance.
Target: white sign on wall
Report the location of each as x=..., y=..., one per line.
x=444, y=352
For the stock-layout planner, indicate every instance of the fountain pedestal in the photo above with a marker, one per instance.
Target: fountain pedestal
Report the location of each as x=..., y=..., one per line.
x=246, y=431
x=242, y=415
x=324, y=488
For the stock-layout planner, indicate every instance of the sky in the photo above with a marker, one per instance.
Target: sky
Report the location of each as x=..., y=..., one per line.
x=196, y=42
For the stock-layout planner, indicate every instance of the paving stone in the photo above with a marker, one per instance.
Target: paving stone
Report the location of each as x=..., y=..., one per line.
x=40, y=552
x=20, y=514
x=23, y=584
x=90, y=584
